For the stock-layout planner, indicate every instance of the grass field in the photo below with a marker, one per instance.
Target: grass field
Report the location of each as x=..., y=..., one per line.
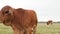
x=42, y=28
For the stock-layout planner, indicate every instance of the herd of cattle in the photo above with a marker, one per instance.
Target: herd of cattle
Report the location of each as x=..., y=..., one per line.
x=21, y=20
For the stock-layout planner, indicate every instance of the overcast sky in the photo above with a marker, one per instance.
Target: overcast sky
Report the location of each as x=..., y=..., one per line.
x=45, y=9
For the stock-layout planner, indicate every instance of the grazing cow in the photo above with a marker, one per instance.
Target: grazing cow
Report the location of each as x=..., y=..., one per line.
x=49, y=22
x=21, y=20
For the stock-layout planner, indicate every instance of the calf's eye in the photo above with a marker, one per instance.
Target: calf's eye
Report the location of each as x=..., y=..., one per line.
x=7, y=12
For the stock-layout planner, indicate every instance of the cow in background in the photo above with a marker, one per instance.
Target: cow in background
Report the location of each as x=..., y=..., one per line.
x=21, y=20
x=49, y=22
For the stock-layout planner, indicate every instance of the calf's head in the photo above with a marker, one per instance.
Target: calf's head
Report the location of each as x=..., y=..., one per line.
x=6, y=15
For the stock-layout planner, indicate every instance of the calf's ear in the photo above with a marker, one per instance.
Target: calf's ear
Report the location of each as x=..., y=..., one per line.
x=11, y=11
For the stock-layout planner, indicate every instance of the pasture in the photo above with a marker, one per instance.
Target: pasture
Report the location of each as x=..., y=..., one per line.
x=42, y=28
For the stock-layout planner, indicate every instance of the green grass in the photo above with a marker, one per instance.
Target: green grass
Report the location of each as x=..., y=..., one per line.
x=42, y=28
x=48, y=29
x=5, y=29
